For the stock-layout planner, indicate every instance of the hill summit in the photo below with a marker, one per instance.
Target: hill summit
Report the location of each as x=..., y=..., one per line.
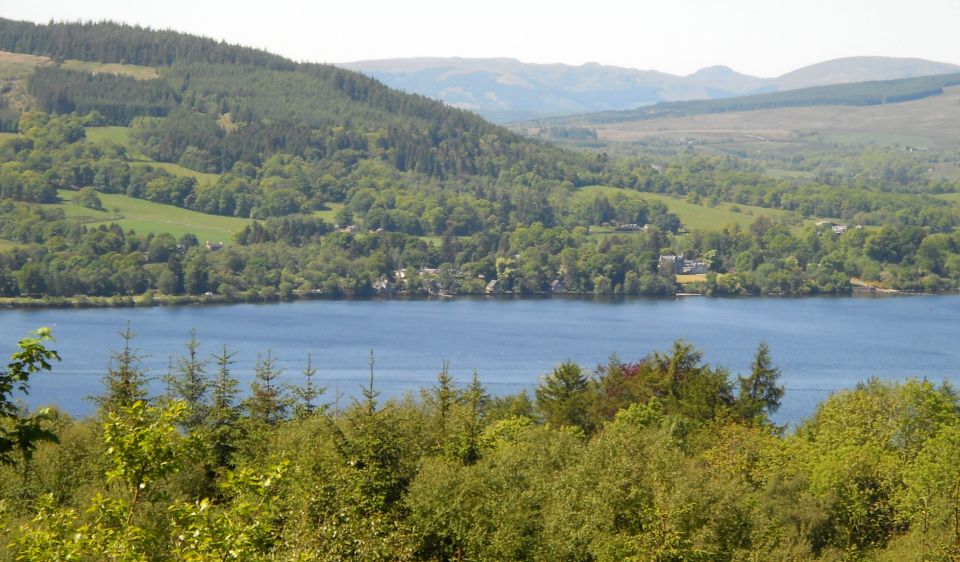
x=504, y=89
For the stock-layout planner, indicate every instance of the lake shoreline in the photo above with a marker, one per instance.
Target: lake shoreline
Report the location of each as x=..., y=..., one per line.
x=141, y=301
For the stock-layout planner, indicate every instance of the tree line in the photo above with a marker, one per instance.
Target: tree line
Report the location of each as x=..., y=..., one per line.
x=662, y=458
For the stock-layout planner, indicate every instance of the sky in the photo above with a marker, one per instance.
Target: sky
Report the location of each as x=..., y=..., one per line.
x=757, y=37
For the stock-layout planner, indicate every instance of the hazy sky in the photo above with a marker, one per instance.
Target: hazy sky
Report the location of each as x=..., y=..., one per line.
x=759, y=37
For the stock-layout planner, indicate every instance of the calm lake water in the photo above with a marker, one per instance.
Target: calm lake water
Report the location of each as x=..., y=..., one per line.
x=821, y=344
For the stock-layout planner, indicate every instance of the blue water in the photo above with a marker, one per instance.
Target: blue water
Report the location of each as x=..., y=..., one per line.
x=821, y=344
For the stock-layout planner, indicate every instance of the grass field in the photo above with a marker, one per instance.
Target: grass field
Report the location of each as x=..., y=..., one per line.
x=15, y=68
x=121, y=136
x=19, y=65
x=145, y=216
x=178, y=170
x=135, y=71
x=788, y=174
x=7, y=136
x=691, y=215
x=329, y=213
x=7, y=245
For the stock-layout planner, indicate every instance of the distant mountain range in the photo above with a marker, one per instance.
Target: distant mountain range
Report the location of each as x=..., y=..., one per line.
x=506, y=90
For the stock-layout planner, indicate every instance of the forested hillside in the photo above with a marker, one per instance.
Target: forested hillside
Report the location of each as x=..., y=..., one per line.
x=356, y=189
x=272, y=104
x=857, y=94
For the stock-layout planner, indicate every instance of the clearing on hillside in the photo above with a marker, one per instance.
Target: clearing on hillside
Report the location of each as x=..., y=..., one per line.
x=132, y=70
x=693, y=216
x=121, y=136
x=145, y=217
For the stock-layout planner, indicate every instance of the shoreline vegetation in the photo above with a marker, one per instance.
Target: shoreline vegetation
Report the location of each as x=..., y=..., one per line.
x=146, y=300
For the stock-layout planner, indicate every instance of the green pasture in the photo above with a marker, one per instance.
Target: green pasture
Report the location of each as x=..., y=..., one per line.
x=329, y=213
x=146, y=216
x=118, y=135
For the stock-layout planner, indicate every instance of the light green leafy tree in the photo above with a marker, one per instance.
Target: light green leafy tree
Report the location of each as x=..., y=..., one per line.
x=20, y=433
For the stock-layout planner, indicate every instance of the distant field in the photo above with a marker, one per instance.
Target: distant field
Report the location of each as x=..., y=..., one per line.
x=952, y=197
x=145, y=216
x=329, y=213
x=7, y=245
x=119, y=135
x=878, y=139
x=15, y=68
x=7, y=136
x=931, y=122
x=178, y=170
x=135, y=71
x=18, y=65
x=788, y=174
x=691, y=215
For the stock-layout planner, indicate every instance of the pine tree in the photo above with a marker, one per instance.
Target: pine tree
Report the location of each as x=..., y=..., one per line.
x=126, y=382
x=369, y=393
x=440, y=401
x=224, y=415
x=562, y=396
x=471, y=422
x=307, y=394
x=189, y=383
x=266, y=402
x=760, y=393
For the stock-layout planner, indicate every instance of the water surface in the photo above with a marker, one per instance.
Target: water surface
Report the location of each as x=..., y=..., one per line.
x=821, y=344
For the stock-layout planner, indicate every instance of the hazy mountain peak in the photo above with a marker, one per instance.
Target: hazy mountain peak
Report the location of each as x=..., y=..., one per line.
x=861, y=69
x=714, y=71
x=504, y=89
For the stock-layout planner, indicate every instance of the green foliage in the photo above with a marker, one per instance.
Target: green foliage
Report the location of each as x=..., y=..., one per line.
x=64, y=91
x=759, y=392
x=266, y=403
x=247, y=526
x=562, y=397
x=143, y=445
x=189, y=384
x=529, y=232
x=418, y=186
x=125, y=381
x=87, y=197
x=671, y=469
x=306, y=395
x=222, y=429
x=20, y=433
